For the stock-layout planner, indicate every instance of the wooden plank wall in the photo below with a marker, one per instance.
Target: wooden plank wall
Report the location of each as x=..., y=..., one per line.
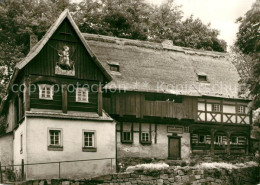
x=44, y=63
x=136, y=105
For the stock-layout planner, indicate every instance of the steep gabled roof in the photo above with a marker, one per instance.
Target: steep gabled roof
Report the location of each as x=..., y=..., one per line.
x=154, y=67
x=38, y=47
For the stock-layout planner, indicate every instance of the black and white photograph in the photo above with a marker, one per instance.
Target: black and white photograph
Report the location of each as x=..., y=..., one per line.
x=130, y=92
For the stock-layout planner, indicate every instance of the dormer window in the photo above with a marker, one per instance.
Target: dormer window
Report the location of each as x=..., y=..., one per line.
x=114, y=66
x=45, y=91
x=202, y=77
x=82, y=95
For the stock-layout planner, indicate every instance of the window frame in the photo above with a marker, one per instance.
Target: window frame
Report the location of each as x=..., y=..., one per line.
x=238, y=109
x=122, y=131
x=236, y=143
x=89, y=148
x=41, y=86
x=54, y=147
x=213, y=105
x=204, y=142
x=215, y=142
x=130, y=134
x=87, y=95
x=149, y=137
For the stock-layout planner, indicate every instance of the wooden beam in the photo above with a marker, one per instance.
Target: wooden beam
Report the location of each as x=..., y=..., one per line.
x=64, y=99
x=212, y=142
x=228, y=142
x=100, y=100
x=27, y=95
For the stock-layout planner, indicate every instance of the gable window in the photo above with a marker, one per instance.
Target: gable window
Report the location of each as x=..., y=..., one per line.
x=55, y=139
x=241, y=109
x=89, y=141
x=45, y=91
x=82, y=95
x=216, y=107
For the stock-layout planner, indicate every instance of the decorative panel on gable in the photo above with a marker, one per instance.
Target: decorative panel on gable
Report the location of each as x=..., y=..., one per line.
x=65, y=55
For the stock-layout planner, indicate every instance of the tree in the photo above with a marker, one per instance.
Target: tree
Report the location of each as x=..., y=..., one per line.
x=126, y=19
x=18, y=20
x=248, y=43
x=194, y=34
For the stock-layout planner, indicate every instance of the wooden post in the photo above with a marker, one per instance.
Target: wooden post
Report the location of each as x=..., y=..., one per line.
x=27, y=95
x=59, y=170
x=228, y=142
x=100, y=100
x=1, y=173
x=212, y=142
x=20, y=109
x=22, y=170
x=64, y=99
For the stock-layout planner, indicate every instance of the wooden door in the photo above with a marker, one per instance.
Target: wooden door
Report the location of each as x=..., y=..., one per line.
x=174, y=148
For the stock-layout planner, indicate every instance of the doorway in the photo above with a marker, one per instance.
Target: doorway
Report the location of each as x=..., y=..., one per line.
x=174, y=148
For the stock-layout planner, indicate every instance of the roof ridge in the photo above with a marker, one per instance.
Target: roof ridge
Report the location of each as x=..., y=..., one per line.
x=152, y=45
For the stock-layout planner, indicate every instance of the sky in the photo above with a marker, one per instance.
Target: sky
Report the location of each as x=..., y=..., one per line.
x=222, y=14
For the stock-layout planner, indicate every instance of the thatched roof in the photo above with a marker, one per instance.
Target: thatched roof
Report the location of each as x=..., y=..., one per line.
x=145, y=66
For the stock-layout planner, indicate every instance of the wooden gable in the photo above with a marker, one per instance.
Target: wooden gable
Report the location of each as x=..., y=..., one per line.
x=45, y=62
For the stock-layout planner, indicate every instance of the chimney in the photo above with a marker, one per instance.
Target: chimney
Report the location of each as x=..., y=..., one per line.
x=167, y=44
x=33, y=40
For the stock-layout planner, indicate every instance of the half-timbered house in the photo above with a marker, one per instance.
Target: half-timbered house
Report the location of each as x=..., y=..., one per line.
x=168, y=102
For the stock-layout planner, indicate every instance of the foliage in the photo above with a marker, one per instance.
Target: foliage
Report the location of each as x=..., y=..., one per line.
x=134, y=19
x=18, y=20
x=248, y=43
x=194, y=34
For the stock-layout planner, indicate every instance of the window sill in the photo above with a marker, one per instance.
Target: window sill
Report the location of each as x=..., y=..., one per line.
x=55, y=148
x=127, y=141
x=89, y=149
x=146, y=142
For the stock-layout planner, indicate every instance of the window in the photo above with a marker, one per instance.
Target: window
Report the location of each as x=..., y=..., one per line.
x=219, y=139
x=241, y=109
x=216, y=107
x=127, y=136
x=234, y=140
x=82, y=95
x=89, y=141
x=21, y=144
x=145, y=137
x=55, y=139
x=45, y=91
x=202, y=139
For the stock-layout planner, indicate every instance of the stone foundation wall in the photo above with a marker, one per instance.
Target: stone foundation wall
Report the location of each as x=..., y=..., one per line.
x=182, y=175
